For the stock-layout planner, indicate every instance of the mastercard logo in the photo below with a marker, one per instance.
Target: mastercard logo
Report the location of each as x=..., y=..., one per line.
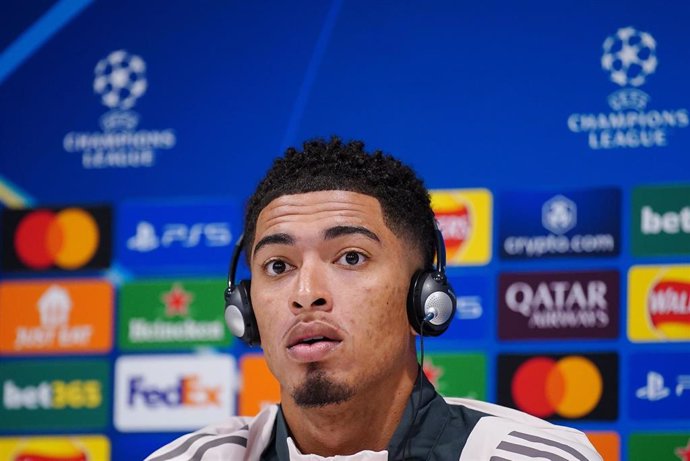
x=570, y=387
x=68, y=239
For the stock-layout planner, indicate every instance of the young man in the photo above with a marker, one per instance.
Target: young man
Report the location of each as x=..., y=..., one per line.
x=334, y=236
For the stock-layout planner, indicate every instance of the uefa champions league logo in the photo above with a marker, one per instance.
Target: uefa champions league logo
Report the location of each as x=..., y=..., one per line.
x=629, y=58
x=120, y=80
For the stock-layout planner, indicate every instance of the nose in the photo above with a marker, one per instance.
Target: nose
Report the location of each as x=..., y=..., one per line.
x=311, y=289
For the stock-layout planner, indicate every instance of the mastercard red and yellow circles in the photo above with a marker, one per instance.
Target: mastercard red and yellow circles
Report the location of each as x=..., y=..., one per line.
x=67, y=239
x=570, y=387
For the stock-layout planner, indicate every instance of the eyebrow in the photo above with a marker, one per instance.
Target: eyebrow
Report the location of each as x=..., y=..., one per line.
x=339, y=231
x=274, y=239
x=329, y=234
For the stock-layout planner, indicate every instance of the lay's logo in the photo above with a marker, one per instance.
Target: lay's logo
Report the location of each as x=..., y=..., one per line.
x=464, y=218
x=64, y=239
x=73, y=448
x=659, y=303
x=669, y=304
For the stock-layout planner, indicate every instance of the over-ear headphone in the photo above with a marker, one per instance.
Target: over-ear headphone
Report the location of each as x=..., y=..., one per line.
x=430, y=300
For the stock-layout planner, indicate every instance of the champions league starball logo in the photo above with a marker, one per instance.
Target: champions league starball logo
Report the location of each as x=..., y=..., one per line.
x=120, y=80
x=629, y=57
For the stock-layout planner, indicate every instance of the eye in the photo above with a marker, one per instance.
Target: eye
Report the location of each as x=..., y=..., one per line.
x=276, y=267
x=352, y=258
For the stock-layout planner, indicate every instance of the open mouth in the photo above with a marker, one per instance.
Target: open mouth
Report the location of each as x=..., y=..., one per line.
x=313, y=340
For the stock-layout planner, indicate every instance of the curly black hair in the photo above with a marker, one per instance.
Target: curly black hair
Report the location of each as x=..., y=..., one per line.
x=334, y=165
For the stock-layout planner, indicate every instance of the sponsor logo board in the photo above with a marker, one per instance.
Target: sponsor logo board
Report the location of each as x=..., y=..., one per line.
x=457, y=375
x=560, y=386
x=259, y=387
x=164, y=314
x=659, y=303
x=465, y=218
x=607, y=444
x=661, y=220
x=56, y=239
x=659, y=385
x=175, y=236
x=629, y=58
x=55, y=316
x=558, y=305
x=55, y=448
x=173, y=392
x=55, y=394
x=120, y=81
x=579, y=223
x=659, y=446
x=470, y=322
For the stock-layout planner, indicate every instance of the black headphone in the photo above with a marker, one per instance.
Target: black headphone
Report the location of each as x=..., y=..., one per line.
x=431, y=302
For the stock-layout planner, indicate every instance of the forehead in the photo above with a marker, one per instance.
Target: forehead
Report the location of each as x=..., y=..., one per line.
x=318, y=209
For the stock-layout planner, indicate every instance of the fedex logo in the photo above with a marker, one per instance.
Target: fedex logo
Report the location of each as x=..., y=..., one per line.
x=187, y=391
x=173, y=392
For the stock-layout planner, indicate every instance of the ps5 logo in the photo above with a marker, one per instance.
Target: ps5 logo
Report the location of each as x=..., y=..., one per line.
x=655, y=389
x=145, y=238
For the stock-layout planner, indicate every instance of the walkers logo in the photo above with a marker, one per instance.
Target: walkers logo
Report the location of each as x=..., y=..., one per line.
x=64, y=395
x=172, y=315
x=660, y=385
x=56, y=239
x=260, y=387
x=173, y=392
x=659, y=446
x=661, y=220
x=629, y=58
x=457, y=375
x=464, y=218
x=45, y=317
x=65, y=448
x=659, y=303
x=583, y=386
x=176, y=235
x=558, y=305
x=120, y=80
x=471, y=322
x=607, y=444
x=576, y=223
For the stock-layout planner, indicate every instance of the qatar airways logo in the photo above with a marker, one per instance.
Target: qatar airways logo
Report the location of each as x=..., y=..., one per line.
x=558, y=305
x=629, y=58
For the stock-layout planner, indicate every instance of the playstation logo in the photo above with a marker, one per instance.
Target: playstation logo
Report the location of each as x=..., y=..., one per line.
x=654, y=389
x=145, y=238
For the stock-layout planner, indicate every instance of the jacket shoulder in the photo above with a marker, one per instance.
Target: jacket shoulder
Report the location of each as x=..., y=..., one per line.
x=508, y=434
x=237, y=438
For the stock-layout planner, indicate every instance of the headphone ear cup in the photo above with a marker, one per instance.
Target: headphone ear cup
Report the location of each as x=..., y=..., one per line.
x=430, y=293
x=239, y=313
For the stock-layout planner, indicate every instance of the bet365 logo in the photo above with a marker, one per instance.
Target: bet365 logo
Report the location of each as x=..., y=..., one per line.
x=55, y=394
x=661, y=220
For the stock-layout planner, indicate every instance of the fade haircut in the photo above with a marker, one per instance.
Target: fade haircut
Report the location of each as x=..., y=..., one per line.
x=334, y=165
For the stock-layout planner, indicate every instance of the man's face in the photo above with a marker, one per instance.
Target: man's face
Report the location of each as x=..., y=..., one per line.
x=329, y=288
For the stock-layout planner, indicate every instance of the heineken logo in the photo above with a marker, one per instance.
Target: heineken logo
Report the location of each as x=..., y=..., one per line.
x=172, y=314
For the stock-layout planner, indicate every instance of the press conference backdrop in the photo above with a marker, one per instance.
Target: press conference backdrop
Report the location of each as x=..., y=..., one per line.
x=554, y=136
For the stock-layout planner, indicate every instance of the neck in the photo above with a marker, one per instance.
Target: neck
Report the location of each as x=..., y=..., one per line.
x=366, y=421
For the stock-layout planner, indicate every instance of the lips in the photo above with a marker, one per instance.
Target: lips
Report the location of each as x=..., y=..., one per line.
x=312, y=342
